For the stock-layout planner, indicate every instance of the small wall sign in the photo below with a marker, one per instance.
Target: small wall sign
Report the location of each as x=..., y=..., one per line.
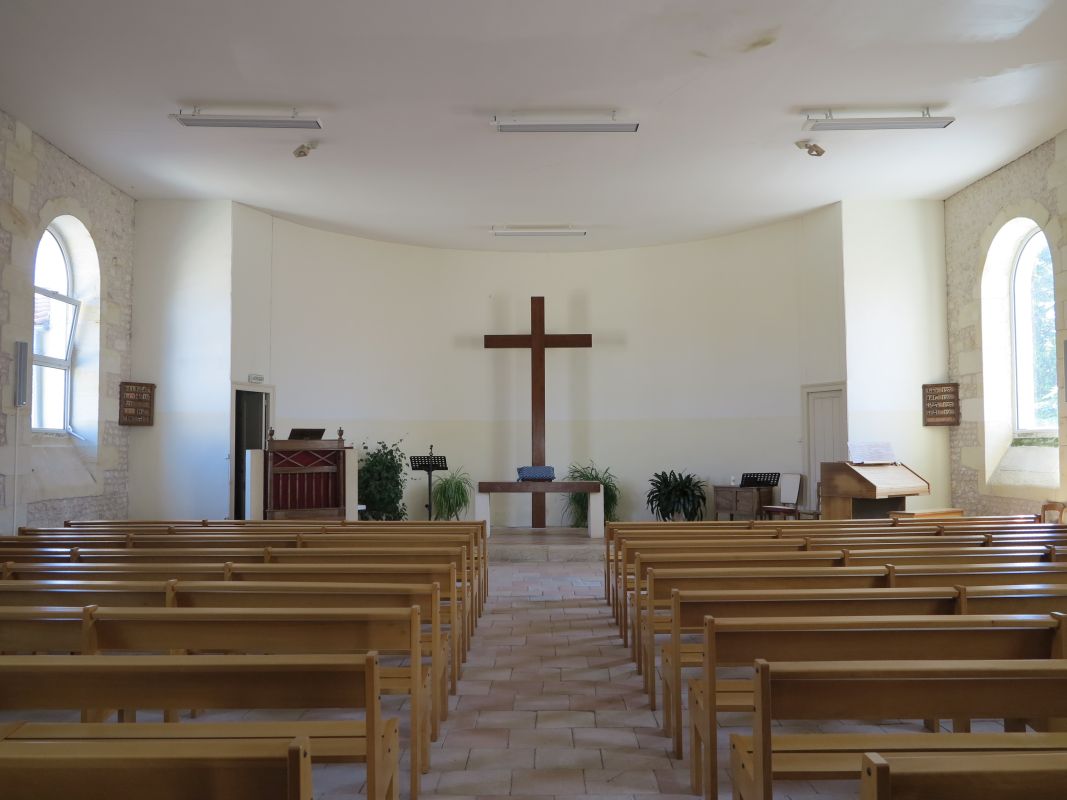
x=941, y=404
x=137, y=403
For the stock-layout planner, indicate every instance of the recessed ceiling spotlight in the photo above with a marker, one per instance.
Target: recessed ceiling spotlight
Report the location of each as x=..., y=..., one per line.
x=825, y=120
x=811, y=148
x=537, y=230
x=563, y=123
x=196, y=119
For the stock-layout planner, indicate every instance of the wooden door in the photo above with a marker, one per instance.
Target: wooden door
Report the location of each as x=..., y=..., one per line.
x=826, y=430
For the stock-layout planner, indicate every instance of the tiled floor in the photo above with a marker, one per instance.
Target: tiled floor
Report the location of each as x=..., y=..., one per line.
x=549, y=704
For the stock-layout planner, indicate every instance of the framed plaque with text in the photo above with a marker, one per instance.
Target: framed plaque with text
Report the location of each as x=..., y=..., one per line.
x=941, y=404
x=137, y=403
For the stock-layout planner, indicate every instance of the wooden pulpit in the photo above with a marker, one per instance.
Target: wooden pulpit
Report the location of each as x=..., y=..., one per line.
x=306, y=479
x=867, y=491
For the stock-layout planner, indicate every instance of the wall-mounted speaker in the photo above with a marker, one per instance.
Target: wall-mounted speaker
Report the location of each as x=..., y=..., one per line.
x=22, y=374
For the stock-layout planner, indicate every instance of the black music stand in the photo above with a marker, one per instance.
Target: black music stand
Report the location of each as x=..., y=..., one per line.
x=429, y=464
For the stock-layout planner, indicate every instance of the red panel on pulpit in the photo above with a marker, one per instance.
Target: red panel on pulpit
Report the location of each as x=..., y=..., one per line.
x=305, y=480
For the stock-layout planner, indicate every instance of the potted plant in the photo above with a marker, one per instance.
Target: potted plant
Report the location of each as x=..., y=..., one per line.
x=452, y=494
x=677, y=495
x=381, y=482
x=576, y=505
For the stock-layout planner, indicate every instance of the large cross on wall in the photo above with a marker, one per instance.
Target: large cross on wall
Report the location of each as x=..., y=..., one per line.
x=537, y=341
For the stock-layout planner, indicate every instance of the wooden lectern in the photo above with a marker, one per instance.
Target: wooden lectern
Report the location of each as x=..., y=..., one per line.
x=867, y=491
x=305, y=479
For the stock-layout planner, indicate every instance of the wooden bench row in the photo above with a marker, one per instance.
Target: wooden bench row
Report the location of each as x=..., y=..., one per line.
x=740, y=642
x=810, y=538
x=152, y=769
x=95, y=630
x=471, y=538
x=350, y=682
x=899, y=690
x=890, y=568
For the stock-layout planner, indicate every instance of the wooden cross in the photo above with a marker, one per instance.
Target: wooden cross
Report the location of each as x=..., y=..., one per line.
x=537, y=340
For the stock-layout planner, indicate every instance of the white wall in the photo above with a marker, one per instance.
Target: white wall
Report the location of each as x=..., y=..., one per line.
x=699, y=349
x=897, y=334
x=181, y=342
x=251, y=303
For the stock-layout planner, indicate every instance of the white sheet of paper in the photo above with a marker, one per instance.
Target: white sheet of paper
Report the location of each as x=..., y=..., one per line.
x=871, y=453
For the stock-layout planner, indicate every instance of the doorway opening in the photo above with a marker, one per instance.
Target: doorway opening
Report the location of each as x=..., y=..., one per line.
x=251, y=420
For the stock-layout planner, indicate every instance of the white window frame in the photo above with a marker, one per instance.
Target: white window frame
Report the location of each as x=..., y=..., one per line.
x=65, y=363
x=1018, y=431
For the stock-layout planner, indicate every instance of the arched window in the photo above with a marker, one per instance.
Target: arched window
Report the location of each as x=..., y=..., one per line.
x=55, y=319
x=1033, y=316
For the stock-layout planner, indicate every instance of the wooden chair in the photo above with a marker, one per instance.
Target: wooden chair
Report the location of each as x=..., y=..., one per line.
x=155, y=769
x=991, y=776
x=788, y=497
x=1052, y=511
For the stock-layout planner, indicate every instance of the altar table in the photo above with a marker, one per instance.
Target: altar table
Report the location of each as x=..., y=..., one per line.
x=592, y=488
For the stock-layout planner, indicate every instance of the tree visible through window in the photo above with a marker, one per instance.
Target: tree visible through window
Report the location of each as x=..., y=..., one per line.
x=55, y=314
x=1034, y=328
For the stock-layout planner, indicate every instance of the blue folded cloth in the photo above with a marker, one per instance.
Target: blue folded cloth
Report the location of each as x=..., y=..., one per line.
x=537, y=473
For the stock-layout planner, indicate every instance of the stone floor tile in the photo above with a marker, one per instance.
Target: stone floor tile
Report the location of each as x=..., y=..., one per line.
x=552, y=781
x=495, y=758
x=506, y=719
x=476, y=737
x=475, y=782
x=542, y=737
x=568, y=758
x=613, y=781
x=565, y=719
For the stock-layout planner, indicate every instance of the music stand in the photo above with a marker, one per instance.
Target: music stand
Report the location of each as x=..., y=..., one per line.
x=429, y=464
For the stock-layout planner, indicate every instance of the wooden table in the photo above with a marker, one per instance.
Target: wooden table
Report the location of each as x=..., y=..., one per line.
x=592, y=488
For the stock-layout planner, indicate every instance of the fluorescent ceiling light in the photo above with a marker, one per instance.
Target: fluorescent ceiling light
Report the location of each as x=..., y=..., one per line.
x=826, y=121
x=197, y=120
x=538, y=230
x=525, y=123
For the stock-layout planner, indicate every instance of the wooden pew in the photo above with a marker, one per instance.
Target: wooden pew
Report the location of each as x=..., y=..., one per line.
x=309, y=531
x=277, y=631
x=660, y=584
x=988, y=775
x=224, y=682
x=153, y=769
x=694, y=606
x=269, y=533
x=894, y=690
x=253, y=594
x=902, y=559
x=733, y=642
x=453, y=594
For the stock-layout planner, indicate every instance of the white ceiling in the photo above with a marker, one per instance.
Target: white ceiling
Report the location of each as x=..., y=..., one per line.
x=406, y=89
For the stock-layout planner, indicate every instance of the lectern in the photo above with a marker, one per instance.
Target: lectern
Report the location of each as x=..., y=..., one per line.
x=305, y=479
x=867, y=491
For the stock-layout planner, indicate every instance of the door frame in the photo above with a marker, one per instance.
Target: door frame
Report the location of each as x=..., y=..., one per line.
x=235, y=386
x=806, y=390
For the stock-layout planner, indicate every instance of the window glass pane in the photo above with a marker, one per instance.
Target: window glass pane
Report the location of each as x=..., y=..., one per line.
x=50, y=271
x=53, y=322
x=49, y=397
x=1036, y=397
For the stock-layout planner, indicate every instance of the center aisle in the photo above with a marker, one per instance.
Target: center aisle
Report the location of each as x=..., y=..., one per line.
x=550, y=704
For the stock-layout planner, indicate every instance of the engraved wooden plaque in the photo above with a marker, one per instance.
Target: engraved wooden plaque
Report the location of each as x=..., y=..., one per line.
x=137, y=403
x=941, y=404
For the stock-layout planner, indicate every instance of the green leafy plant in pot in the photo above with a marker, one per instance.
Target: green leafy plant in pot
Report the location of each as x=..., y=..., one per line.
x=577, y=505
x=452, y=494
x=381, y=482
x=677, y=494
